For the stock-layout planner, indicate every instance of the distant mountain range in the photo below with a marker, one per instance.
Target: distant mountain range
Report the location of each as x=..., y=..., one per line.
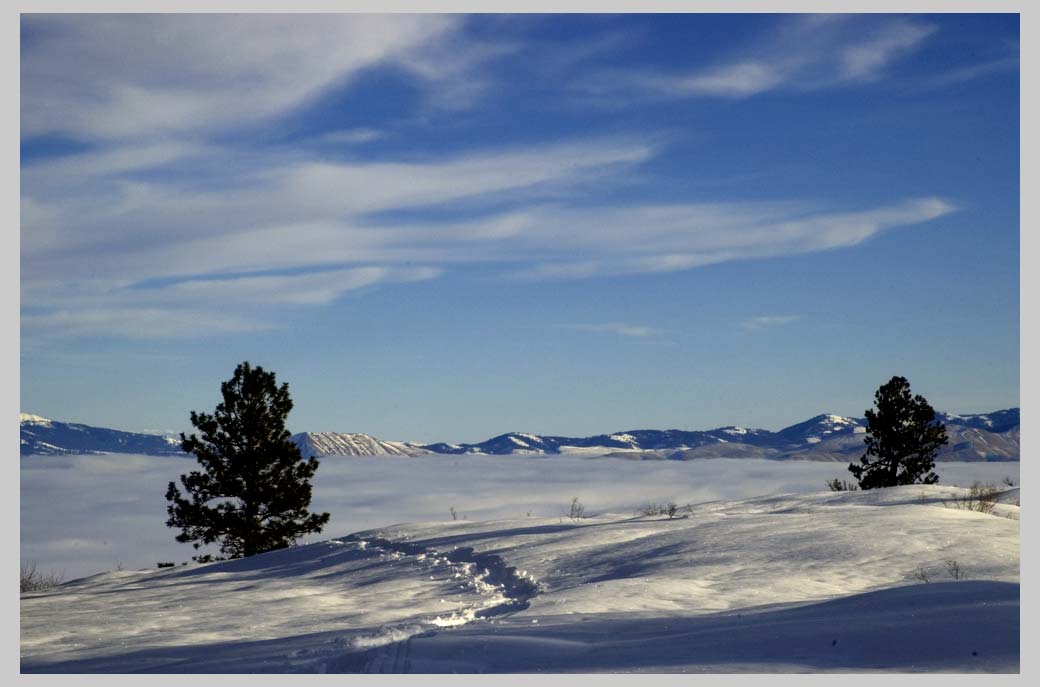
x=43, y=436
x=985, y=437
x=989, y=437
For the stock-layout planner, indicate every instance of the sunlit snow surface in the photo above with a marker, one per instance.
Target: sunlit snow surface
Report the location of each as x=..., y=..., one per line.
x=803, y=582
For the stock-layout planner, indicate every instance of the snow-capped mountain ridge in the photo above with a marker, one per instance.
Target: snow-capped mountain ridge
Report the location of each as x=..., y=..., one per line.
x=997, y=421
x=829, y=437
x=816, y=429
x=340, y=444
x=823, y=437
x=42, y=436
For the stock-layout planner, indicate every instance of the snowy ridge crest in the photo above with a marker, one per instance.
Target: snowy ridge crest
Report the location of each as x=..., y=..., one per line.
x=346, y=444
x=993, y=436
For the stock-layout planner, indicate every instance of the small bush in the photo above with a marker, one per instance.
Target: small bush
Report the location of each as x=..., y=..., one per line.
x=32, y=580
x=454, y=513
x=981, y=498
x=650, y=509
x=1009, y=482
x=954, y=570
x=921, y=574
x=165, y=564
x=841, y=485
x=671, y=509
x=577, y=511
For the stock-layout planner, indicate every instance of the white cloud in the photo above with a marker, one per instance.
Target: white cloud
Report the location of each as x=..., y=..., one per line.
x=972, y=72
x=657, y=239
x=278, y=211
x=201, y=307
x=110, y=76
x=755, y=323
x=139, y=322
x=349, y=136
x=83, y=248
x=803, y=53
x=155, y=200
x=619, y=328
x=867, y=58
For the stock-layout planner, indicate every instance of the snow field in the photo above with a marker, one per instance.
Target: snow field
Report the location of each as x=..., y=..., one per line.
x=756, y=585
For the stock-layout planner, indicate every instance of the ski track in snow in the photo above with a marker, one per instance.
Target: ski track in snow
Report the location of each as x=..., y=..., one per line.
x=505, y=590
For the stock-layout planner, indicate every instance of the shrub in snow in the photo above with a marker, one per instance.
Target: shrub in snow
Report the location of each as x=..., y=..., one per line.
x=32, y=580
x=651, y=509
x=672, y=509
x=254, y=488
x=981, y=498
x=954, y=569
x=577, y=510
x=841, y=485
x=902, y=438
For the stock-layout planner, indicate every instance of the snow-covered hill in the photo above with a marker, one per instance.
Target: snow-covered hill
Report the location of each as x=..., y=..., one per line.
x=997, y=421
x=797, y=582
x=42, y=436
x=337, y=444
x=821, y=427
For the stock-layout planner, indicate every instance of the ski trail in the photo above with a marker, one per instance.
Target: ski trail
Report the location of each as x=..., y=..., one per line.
x=503, y=589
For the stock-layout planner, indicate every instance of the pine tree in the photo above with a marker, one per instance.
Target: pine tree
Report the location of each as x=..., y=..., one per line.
x=903, y=437
x=254, y=488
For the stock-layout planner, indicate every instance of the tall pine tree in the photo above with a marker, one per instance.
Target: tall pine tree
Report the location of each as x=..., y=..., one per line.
x=903, y=438
x=254, y=488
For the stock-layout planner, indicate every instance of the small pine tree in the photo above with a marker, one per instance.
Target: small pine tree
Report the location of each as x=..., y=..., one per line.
x=254, y=488
x=903, y=438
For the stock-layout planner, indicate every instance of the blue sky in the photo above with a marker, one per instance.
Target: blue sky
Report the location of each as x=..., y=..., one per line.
x=445, y=227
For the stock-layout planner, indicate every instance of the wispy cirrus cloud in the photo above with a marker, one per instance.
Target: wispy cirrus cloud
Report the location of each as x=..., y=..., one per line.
x=658, y=239
x=353, y=136
x=618, y=328
x=163, y=213
x=139, y=322
x=258, y=216
x=802, y=53
x=201, y=72
x=200, y=307
x=226, y=244
x=972, y=72
x=754, y=324
x=279, y=211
